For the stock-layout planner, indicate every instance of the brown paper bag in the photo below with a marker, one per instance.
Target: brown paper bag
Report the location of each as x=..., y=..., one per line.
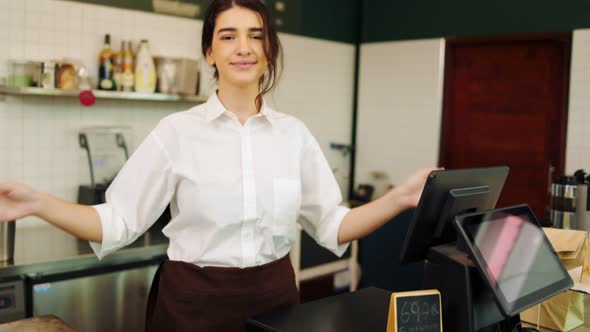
x=572, y=248
x=563, y=312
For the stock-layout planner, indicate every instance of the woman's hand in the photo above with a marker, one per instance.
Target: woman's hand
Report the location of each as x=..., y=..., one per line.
x=16, y=201
x=19, y=200
x=364, y=219
x=411, y=190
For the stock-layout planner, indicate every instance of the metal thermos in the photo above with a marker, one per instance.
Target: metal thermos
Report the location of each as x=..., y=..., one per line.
x=7, y=232
x=582, y=201
x=570, y=203
x=582, y=220
x=563, y=202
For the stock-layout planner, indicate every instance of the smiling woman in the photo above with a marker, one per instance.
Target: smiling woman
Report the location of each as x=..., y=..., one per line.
x=238, y=176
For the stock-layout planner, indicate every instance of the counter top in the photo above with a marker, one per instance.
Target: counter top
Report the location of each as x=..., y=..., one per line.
x=46, y=252
x=48, y=323
x=363, y=310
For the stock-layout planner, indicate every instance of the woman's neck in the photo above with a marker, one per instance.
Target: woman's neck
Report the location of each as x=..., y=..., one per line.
x=240, y=101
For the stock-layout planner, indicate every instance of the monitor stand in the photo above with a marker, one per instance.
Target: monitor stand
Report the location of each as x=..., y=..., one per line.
x=467, y=303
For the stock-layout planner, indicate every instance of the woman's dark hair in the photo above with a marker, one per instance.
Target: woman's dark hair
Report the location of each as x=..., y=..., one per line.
x=271, y=44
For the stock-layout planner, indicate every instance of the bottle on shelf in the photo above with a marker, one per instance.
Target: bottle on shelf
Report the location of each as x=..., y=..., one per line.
x=145, y=70
x=128, y=68
x=105, y=66
x=118, y=67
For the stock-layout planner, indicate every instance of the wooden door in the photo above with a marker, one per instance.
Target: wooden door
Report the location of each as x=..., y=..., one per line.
x=505, y=102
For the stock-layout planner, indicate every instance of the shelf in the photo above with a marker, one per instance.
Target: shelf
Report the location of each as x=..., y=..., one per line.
x=30, y=91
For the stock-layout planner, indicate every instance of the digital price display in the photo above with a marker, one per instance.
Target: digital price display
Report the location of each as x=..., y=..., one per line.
x=417, y=311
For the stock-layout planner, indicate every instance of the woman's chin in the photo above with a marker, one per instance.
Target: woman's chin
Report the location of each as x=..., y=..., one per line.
x=245, y=82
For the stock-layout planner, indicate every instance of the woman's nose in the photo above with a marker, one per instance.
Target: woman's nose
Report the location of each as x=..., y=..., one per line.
x=244, y=48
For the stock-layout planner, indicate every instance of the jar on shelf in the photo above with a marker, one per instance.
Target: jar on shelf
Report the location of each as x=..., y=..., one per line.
x=49, y=71
x=24, y=73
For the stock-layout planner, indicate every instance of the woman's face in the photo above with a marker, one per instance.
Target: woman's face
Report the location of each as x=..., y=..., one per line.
x=237, y=48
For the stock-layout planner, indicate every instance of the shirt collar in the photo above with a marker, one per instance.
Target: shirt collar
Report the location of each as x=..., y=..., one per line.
x=215, y=109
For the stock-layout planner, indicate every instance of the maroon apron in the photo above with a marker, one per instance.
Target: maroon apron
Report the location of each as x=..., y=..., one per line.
x=185, y=297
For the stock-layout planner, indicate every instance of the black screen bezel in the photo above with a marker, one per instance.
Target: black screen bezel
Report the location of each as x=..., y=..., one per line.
x=517, y=306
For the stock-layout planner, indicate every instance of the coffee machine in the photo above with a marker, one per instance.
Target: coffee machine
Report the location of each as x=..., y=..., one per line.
x=106, y=151
x=570, y=203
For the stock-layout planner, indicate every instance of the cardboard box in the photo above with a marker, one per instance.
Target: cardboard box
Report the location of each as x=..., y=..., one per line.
x=565, y=311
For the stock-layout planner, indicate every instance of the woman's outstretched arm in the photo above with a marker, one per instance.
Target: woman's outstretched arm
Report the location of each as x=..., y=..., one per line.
x=19, y=201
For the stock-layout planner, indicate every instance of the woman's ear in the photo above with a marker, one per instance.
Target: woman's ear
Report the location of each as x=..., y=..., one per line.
x=209, y=57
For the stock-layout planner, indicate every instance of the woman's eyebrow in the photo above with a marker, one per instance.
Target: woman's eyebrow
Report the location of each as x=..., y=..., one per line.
x=234, y=30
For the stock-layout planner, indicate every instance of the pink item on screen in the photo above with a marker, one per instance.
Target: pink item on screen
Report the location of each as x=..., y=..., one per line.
x=506, y=240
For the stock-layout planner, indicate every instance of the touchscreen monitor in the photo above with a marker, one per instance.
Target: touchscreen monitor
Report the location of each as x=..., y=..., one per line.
x=446, y=194
x=514, y=257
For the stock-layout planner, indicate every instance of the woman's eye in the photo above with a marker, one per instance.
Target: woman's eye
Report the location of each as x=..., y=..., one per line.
x=257, y=37
x=227, y=37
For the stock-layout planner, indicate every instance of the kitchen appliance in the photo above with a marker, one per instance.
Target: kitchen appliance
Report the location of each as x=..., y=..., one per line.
x=12, y=299
x=106, y=152
x=177, y=75
x=570, y=205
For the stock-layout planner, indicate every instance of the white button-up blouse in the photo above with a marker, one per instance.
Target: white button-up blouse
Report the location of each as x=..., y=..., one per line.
x=235, y=191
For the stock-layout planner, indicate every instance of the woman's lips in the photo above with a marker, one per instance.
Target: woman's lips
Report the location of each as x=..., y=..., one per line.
x=244, y=64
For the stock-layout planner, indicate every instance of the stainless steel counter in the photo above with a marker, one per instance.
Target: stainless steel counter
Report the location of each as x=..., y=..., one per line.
x=44, y=251
x=54, y=273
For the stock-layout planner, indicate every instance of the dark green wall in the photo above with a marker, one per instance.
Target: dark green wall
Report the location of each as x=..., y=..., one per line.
x=385, y=20
x=331, y=19
x=396, y=20
x=325, y=19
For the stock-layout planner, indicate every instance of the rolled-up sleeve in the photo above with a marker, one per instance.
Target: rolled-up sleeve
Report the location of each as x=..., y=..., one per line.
x=137, y=196
x=321, y=213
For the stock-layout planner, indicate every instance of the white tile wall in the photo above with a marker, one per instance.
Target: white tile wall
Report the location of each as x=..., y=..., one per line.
x=38, y=135
x=400, y=107
x=578, y=128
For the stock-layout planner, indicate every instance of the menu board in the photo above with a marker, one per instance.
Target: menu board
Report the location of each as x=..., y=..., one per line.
x=417, y=311
x=185, y=8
